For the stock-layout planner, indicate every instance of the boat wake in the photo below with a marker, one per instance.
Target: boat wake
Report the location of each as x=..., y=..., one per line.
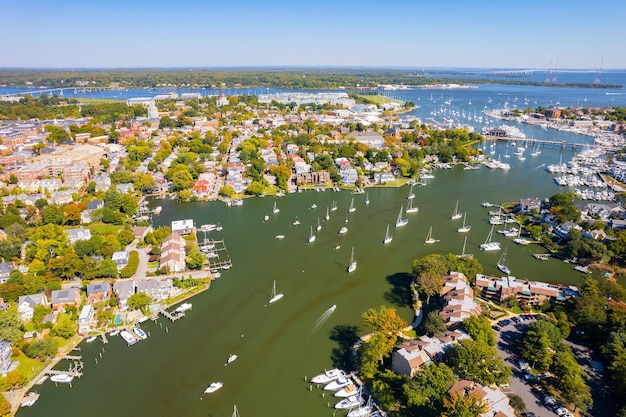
x=322, y=319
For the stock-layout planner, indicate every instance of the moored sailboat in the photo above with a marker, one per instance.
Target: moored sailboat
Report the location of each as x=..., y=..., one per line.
x=275, y=297
x=353, y=263
x=456, y=214
x=400, y=221
x=501, y=266
x=489, y=245
x=388, y=237
x=352, y=209
x=311, y=236
x=465, y=228
x=430, y=238
x=410, y=208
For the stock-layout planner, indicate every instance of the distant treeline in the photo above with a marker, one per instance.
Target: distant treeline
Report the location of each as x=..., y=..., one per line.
x=293, y=78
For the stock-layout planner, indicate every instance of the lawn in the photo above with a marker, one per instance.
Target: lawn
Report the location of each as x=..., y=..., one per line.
x=378, y=99
x=103, y=228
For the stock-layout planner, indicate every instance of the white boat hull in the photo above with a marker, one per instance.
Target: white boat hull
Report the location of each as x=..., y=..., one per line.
x=327, y=376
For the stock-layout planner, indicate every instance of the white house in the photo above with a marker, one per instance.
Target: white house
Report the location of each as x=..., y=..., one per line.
x=182, y=227
x=86, y=319
x=26, y=304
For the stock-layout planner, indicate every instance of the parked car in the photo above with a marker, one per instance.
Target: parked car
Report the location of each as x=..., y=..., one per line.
x=504, y=322
x=549, y=400
x=523, y=365
x=530, y=378
x=561, y=411
x=516, y=319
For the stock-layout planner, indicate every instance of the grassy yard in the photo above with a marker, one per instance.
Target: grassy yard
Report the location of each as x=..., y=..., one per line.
x=102, y=228
x=378, y=99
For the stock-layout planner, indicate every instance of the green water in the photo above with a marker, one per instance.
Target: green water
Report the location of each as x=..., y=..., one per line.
x=279, y=344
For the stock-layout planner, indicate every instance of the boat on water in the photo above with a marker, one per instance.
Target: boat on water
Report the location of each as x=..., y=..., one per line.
x=90, y=339
x=363, y=411
x=430, y=239
x=114, y=332
x=456, y=214
x=350, y=402
x=62, y=378
x=213, y=387
x=235, y=412
x=319, y=226
x=327, y=214
x=410, y=208
x=353, y=264
x=501, y=266
x=347, y=391
x=275, y=297
x=139, y=332
x=388, y=238
x=333, y=207
x=266, y=218
x=275, y=209
x=541, y=256
x=352, y=209
x=463, y=254
x=338, y=384
x=411, y=195
x=183, y=307
x=128, y=337
x=231, y=358
x=296, y=223
x=464, y=228
x=313, y=206
x=29, y=399
x=400, y=221
x=327, y=376
x=311, y=236
x=367, y=198
x=280, y=236
x=489, y=245
x=343, y=230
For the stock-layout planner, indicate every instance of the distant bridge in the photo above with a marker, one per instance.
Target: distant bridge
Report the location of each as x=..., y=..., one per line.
x=60, y=91
x=554, y=143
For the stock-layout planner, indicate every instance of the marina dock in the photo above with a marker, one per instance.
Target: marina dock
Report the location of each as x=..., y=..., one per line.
x=170, y=316
x=552, y=143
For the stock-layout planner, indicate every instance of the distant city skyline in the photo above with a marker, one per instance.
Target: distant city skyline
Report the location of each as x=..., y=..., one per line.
x=537, y=35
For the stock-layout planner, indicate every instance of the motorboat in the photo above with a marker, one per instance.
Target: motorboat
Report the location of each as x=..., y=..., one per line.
x=29, y=399
x=62, y=378
x=266, y=218
x=114, y=332
x=183, y=307
x=280, y=236
x=213, y=387
x=231, y=358
x=348, y=391
x=328, y=376
x=361, y=411
x=129, y=338
x=296, y=223
x=90, y=339
x=139, y=332
x=338, y=384
x=343, y=230
x=350, y=402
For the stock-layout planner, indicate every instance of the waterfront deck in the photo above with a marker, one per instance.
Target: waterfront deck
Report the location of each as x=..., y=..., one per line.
x=171, y=317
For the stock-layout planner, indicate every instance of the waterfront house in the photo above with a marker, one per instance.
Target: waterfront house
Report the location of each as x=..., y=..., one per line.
x=100, y=292
x=61, y=299
x=86, y=319
x=123, y=288
x=6, y=364
x=140, y=232
x=527, y=205
x=563, y=229
x=532, y=293
x=74, y=235
x=5, y=271
x=183, y=227
x=120, y=258
x=496, y=401
x=173, y=254
x=157, y=289
x=26, y=304
x=458, y=299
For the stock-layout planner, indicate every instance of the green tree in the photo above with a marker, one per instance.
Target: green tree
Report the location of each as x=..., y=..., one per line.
x=434, y=324
x=227, y=191
x=65, y=327
x=570, y=378
x=194, y=259
x=256, y=188
x=429, y=283
x=39, y=313
x=429, y=385
x=479, y=328
x=11, y=325
x=56, y=134
x=478, y=361
x=463, y=405
x=540, y=343
x=139, y=300
x=41, y=348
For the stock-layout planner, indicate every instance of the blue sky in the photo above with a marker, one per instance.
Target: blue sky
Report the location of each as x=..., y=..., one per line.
x=206, y=33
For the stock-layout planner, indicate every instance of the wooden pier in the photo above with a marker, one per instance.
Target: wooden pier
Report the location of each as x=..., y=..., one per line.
x=170, y=316
x=553, y=143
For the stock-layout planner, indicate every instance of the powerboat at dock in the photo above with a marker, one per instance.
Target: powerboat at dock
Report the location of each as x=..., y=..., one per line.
x=328, y=376
x=338, y=384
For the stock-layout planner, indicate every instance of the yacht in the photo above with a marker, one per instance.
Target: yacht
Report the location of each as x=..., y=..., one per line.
x=501, y=266
x=489, y=245
x=213, y=387
x=231, y=358
x=275, y=296
x=350, y=402
x=348, y=391
x=129, y=338
x=183, y=307
x=456, y=214
x=338, y=384
x=139, y=332
x=327, y=376
x=280, y=236
x=343, y=230
x=410, y=208
x=62, y=378
x=464, y=228
x=400, y=221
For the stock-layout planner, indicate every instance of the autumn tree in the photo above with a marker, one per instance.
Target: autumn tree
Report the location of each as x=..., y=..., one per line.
x=463, y=405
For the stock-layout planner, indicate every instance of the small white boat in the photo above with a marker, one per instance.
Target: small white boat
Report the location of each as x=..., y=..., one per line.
x=313, y=206
x=348, y=391
x=319, y=226
x=353, y=263
x=128, y=338
x=489, y=245
x=333, y=207
x=114, y=332
x=352, y=209
x=350, y=402
x=139, y=332
x=280, y=236
x=501, y=266
x=275, y=209
x=338, y=384
x=327, y=214
x=227, y=266
x=231, y=359
x=367, y=198
x=388, y=237
x=410, y=208
x=213, y=387
x=90, y=339
x=327, y=376
x=266, y=218
x=29, y=399
x=311, y=236
x=275, y=297
x=62, y=378
x=430, y=239
x=465, y=228
x=343, y=230
x=400, y=221
x=411, y=195
x=456, y=214
x=183, y=307
x=296, y=223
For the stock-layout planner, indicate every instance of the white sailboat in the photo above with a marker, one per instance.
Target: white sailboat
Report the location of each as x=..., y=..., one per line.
x=311, y=236
x=319, y=226
x=352, y=265
x=463, y=254
x=275, y=209
x=400, y=221
x=352, y=209
x=410, y=208
x=489, y=245
x=411, y=195
x=465, y=228
x=327, y=215
x=521, y=240
x=430, y=238
x=367, y=198
x=235, y=412
x=456, y=214
x=388, y=237
x=275, y=297
x=333, y=207
x=501, y=266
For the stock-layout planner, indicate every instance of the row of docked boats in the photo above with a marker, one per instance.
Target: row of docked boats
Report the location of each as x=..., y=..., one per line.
x=137, y=334
x=345, y=388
